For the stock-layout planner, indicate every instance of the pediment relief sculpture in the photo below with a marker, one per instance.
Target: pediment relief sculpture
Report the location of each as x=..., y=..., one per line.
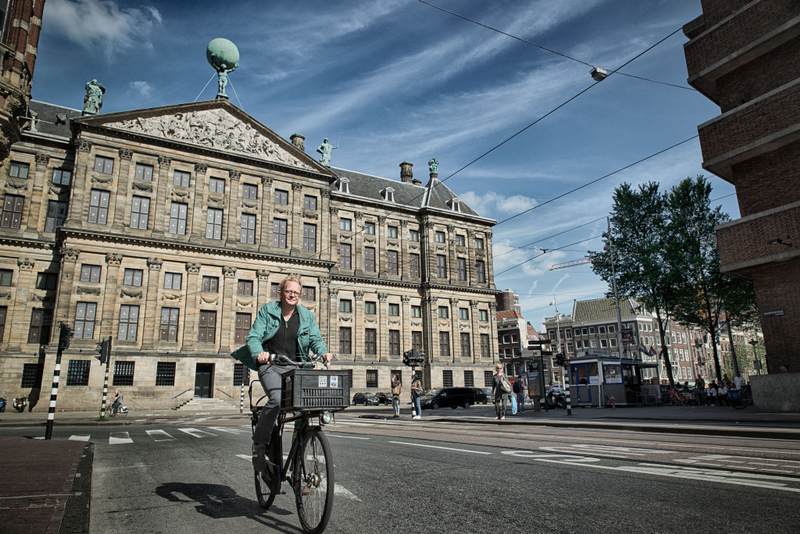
x=212, y=128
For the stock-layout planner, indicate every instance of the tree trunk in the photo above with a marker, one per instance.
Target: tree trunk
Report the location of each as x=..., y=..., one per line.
x=664, y=351
x=712, y=331
x=733, y=349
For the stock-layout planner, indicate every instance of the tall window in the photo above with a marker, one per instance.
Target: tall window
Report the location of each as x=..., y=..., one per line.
x=165, y=374
x=214, y=219
x=249, y=191
x=463, y=314
x=441, y=266
x=485, y=349
x=123, y=373
x=413, y=235
x=240, y=377
x=444, y=344
x=345, y=224
x=416, y=312
x=78, y=372
x=370, y=307
x=479, y=243
x=177, y=218
x=466, y=345
x=461, y=240
x=444, y=312
x=369, y=259
x=61, y=176
x=98, y=206
x=416, y=341
x=243, y=323
x=210, y=284
x=483, y=315
x=84, y=320
x=90, y=274
x=394, y=342
x=244, y=288
x=144, y=172
x=31, y=376
x=39, y=329
x=392, y=232
x=439, y=237
x=392, y=266
x=345, y=340
x=216, y=185
x=274, y=290
x=128, y=322
x=480, y=269
x=309, y=237
x=182, y=179
x=140, y=212
x=12, y=211
x=132, y=277
x=173, y=280
x=370, y=342
x=279, y=233
x=169, y=324
x=281, y=197
x=310, y=203
x=372, y=378
x=345, y=306
x=447, y=378
x=469, y=379
x=103, y=165
x=369, y=228
x=208, y=326
x=345, y=256
x=248, y=229
x=462, y=269
x=413, y=265
x=3, y=315
x=17, y=169
x=394, y=309
x=309, y=294
x=56, y=214
x=46, y=281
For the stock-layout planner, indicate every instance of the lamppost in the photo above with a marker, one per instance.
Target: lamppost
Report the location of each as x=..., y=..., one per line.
x=756, y=361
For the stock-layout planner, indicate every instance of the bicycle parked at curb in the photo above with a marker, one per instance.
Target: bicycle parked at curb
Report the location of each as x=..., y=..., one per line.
x=310, y=397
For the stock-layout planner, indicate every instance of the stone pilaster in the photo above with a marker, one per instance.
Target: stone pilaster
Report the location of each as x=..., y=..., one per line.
x=488, y=260
x=151, y=319
x=383, y=329
x=263, y=288
x=232, y=209
x=326, y=249
x=333, y=314
x=67, y=275
x=358, y=244
x=452, y=264
x=380, y=249
x=199, y=210
x=405, y=331
x=79, y=206
x=123, y=193
x=18, y=321
x=323, y=316
x=493, y=333
x=162, y=199
x=193, y=296
x=474, y=321
x=227, y=316
x=455, y=331
x=295, y=230
x=37, y=210
x=265, y=242
x=109, y=316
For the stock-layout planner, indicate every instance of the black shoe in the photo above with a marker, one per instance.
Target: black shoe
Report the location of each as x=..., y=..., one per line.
x=259, y=457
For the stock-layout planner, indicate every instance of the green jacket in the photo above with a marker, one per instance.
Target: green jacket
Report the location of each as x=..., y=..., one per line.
x=266, y=325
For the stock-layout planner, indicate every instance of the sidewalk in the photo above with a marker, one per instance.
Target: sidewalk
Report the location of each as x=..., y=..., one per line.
x=45, y=486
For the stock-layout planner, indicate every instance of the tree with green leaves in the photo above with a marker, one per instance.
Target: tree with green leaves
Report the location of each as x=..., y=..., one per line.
x=635, y=254
x=702, y=291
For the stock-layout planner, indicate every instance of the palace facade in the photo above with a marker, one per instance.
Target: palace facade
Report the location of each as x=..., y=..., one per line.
x=166, y=229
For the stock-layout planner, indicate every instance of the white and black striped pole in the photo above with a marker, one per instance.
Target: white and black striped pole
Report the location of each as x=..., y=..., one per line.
x=245, y=379
x=566, y=389
x=104, y=348
x=64, y=337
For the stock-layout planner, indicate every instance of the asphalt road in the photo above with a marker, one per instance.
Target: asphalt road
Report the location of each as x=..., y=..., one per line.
x=194, y=475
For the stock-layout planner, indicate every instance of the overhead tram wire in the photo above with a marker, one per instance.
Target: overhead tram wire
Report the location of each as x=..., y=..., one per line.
x=547, y=49
x=548, y=251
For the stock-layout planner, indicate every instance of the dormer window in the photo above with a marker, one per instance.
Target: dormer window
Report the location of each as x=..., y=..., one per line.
x=343, y=185
x=388, y=194
x=454, y=204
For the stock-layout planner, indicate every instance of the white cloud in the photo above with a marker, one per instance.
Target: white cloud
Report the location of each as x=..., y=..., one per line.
x=141, y=88
x=101, y=24
x=492, y=204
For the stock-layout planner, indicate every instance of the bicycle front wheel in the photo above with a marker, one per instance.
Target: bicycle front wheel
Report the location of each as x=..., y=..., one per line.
x=312, y=481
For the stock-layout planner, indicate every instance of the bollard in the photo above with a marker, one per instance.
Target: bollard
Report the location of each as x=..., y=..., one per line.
x=567, y=392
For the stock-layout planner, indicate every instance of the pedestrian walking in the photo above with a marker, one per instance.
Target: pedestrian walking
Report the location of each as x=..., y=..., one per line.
x=519, y=393
x=416, y=398
x=397, y=389
x=500, y=390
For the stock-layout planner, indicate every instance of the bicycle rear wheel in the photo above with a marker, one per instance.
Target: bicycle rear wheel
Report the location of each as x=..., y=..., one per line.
x=312, y=481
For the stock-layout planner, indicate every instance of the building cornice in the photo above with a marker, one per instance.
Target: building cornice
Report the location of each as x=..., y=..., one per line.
x=26, y=242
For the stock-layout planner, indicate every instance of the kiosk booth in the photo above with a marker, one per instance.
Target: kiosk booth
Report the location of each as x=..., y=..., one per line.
x=602, y=380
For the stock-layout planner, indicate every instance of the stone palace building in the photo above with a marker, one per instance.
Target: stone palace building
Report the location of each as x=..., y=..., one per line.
x=167, y=228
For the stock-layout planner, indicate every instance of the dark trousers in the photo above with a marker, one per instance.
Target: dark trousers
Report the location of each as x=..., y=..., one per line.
x=270, y=378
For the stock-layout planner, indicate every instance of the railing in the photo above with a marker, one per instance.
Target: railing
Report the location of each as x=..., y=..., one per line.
x=182, y=392
x=217, y=389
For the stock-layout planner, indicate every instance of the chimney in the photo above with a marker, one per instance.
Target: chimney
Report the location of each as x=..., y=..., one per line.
x=298, y=141
x=406, y=172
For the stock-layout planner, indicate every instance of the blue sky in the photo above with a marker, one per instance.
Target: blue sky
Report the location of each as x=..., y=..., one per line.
x=394, y=80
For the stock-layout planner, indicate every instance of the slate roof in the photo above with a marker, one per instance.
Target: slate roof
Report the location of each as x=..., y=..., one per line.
x=603, y=311
x=53, y=119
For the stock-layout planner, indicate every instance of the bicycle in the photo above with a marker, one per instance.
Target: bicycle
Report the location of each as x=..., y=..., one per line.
x=309, y=465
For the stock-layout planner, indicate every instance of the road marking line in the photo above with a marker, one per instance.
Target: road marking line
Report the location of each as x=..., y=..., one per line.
x=119, y=439
x=353, y=423
x=227, y=430
x=152, y=433
x=244, y=457
x=79, y=438
x=196, y=432
x=439, y=447
x=343, y=436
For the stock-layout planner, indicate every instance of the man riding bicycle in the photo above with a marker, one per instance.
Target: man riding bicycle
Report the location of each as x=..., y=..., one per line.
x=286, y=328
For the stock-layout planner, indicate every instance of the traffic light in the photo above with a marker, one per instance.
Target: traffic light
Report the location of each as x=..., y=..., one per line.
x=413, y=358
x=104, y=350
x=64, y=336
x=561, y=360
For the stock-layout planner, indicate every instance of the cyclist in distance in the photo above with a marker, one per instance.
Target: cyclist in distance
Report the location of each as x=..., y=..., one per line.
x=282, y=327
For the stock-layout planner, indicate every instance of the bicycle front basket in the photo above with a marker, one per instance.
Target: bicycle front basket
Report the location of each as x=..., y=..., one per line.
x=307, y=389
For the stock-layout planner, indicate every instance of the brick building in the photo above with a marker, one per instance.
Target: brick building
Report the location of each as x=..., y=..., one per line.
x=167, y=228
x=742, y=54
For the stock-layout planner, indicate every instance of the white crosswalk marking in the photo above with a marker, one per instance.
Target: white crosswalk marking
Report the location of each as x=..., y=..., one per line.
x=159, y=435
x=79, y=438
x=196, y=432
x=119, y=438
x=228, y=430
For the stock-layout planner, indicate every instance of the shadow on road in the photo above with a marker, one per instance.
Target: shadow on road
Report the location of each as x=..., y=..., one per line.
x=218, y=502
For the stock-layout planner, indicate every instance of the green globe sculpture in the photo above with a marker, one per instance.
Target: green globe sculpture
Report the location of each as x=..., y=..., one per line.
x=223, y=56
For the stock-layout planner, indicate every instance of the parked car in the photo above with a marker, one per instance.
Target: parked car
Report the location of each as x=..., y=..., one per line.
x=482, y=395
x=383, y=398
x=367, y=399
x=452, y=397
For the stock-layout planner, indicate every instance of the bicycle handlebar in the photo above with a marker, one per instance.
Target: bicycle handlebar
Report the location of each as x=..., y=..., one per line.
x=282, y=358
